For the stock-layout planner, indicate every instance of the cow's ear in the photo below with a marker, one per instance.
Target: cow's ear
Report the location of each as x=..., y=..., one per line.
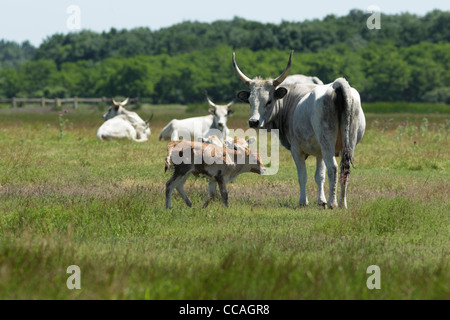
x=230, y=112
x=280, y=93
x=212, y=111
x=116, y=107
x=243, y=96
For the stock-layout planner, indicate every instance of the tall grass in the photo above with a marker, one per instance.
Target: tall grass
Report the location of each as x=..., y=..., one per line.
x=79, y=201
x=406, y=107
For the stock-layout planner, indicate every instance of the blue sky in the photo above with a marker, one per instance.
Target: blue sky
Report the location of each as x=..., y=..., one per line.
x=35, y=20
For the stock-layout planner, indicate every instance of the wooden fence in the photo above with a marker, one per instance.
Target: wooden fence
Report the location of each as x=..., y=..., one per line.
x=59, y=102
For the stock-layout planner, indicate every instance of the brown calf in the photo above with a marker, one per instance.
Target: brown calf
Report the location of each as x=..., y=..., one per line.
x=220, y=165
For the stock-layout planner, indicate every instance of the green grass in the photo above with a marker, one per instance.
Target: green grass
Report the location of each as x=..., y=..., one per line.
x=406, y=107
x=79, y=201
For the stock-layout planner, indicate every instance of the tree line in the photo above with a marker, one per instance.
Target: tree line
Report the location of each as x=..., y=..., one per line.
x=407, y=60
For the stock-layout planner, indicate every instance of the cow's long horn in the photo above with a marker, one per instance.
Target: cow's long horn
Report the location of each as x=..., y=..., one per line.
x=149, y=119
x=241, y=75
x=284, y=75
x=124, y=102
x=212, y=104
x=230, y=104
x=117, y=104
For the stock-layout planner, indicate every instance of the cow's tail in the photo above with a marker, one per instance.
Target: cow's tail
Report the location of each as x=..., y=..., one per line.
x=166, y=132
x=348, y=126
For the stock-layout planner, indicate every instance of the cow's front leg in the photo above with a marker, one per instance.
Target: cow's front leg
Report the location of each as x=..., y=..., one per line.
x=299, y=158
x=320, y=180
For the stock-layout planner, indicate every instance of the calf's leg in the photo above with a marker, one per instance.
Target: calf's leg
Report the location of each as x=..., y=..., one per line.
x=212, y=193
x=180, y=188
x=177, y=181
x=223, y=190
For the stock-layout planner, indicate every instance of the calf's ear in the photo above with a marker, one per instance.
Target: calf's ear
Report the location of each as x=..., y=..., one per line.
x=243, y=96
x=212, y=111
x=230, y=112
x=280, y=93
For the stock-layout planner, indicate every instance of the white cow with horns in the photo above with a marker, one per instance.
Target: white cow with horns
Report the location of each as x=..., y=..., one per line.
x=123, y=124
x=200, y=127
x=324, y=121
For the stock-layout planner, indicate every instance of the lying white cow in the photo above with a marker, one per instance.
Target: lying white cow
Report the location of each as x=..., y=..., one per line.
x=120, y=128
x=121, y=123
x=199, y=127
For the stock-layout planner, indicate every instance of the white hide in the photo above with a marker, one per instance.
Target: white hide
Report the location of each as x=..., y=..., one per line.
x=199, y=127
x=324, y=121
x=120, y=128
x=141, y=127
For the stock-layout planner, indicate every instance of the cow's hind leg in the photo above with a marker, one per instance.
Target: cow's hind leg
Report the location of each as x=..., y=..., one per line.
x=332, y=171
x=320, y=180
x=343, y=198
x=345, y=172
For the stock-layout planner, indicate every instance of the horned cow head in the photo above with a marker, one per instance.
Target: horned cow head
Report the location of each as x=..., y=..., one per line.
x=263, y=94
x=220, y=112
x=115, y=109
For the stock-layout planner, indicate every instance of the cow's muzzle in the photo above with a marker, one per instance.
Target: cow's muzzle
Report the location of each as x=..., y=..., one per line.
x=253, y=123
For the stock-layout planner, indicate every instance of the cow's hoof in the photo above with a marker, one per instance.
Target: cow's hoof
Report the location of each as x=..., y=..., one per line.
x=332, y=206
x=322, y=205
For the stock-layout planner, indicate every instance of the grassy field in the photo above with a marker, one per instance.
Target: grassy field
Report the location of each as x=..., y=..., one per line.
x=68, y=199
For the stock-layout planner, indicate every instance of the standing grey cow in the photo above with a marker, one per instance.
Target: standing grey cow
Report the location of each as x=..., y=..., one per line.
x=320, y=120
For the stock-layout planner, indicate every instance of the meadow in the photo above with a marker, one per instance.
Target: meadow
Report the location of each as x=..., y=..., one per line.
x=69, y=199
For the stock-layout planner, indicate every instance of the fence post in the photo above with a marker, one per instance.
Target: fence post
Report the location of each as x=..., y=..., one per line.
x=42, y=102
x=75, y=102
x=58, y=102
x=13, y=102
